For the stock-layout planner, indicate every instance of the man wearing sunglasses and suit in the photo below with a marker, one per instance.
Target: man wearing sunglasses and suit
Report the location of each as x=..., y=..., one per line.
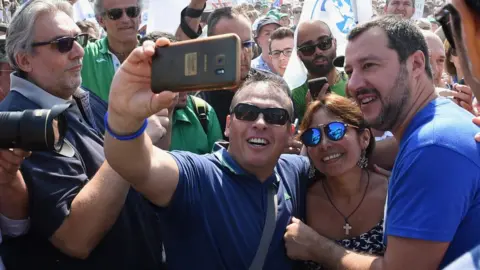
x=121, y=20
x=83, y=215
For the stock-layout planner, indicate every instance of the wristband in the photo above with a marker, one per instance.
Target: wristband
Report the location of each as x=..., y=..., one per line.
x=126, y=137
x=186, y=29
x=194, y=13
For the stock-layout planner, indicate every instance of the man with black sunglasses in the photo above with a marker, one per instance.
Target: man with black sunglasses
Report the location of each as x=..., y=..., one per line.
x=225, y=210
x=83, y=215
x=432, y=212
x=121, y=20
x=317, y=49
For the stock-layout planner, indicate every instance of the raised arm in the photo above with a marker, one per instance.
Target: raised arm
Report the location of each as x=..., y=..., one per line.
x=13, y=191
x=193, y=23
x=150, y=170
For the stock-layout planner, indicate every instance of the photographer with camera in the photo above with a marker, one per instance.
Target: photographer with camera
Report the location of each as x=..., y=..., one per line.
x=83, y=215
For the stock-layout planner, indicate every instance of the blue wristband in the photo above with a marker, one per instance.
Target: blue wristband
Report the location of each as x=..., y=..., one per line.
x=126, y=137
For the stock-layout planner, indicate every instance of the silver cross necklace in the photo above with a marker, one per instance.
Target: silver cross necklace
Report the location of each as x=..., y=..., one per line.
x=347, y=227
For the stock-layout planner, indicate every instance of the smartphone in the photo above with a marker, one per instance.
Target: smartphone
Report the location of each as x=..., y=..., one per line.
x=316, y=85
x=211, y=63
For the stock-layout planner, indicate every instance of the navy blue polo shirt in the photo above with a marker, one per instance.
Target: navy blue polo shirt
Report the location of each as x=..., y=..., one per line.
x=216, y=217
x=53, y=182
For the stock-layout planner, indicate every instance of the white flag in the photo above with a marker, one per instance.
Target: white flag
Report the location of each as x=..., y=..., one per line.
x=340, y=15
x=165, y=15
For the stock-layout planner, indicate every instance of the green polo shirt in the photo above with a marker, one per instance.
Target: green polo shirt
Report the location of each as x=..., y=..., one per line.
x=299, y=93
x=98, y=69
x=188, y=133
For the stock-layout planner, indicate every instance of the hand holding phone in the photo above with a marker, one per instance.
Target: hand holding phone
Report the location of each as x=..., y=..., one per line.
x=211, y=63
x=315, y=87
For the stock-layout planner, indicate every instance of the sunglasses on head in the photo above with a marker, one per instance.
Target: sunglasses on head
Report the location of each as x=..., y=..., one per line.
x=273, y=116
x=334, y=131
x=65, y=44
x=117, y=13
x=324, y=44
x=446, y=16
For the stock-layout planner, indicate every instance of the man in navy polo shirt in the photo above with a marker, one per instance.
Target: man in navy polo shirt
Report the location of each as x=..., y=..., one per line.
x=82, y=214
x=214, y=207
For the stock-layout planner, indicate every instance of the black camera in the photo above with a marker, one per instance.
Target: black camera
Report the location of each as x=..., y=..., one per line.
x=34, y=130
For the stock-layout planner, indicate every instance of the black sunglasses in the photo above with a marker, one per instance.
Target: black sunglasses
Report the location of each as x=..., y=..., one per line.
x=446, y=16
x=273, y=116
x=334, y=131
x=324, y=44
x=117, y=13
x=65, y=44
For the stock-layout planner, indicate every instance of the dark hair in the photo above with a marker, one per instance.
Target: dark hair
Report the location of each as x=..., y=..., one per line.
x=403, y=36
x=342, y=107
x=473, y=5
x=280, y=33
x=277, y=87
x=220, y=13
x=388, y=1
x=85, y=25
x=153, y=36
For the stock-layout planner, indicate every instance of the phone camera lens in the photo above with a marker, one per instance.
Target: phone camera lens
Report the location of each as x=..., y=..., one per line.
x=220, y=59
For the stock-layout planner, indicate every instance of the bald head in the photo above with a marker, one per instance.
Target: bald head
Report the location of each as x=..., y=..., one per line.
x=311, y=30
x=437, y=56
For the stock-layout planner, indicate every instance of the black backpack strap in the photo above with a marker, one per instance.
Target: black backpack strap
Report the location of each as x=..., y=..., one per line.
x=201, y=110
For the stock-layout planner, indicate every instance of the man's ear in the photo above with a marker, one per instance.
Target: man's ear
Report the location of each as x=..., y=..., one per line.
x=227, y=126
x=418, y=62
x=24, y=61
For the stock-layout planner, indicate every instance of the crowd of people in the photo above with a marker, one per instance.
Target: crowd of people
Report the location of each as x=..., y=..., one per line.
x=380, y=170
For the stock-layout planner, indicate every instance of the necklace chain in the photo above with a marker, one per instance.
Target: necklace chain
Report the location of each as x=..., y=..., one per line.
x=347, y=224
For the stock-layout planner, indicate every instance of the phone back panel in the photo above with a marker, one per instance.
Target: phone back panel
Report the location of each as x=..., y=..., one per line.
x=203, y=64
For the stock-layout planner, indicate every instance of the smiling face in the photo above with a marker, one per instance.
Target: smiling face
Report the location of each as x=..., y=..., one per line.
x=334, y=158
x=437, y=57
x=257, y=145
x=377, y=80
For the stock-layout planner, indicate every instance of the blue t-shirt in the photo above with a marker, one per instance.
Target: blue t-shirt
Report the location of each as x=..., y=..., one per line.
x=433, y=193
x=216, y=217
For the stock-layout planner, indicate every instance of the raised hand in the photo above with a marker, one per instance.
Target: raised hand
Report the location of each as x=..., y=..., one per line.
x=131, y=99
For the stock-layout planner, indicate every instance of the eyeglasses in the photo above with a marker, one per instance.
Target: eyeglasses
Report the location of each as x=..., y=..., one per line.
x=445, y=17
x=324, y=44
x=248, y=44
x=116, y=13
x=277, y=53
x=273, y=116
x=334, y=131
x=65, y=44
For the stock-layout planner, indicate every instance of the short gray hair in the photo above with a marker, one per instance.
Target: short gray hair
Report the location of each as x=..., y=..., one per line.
x=21, y=29
x=99, y=9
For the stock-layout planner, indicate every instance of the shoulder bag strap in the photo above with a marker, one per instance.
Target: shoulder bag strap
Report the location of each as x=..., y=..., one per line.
x=268, y=230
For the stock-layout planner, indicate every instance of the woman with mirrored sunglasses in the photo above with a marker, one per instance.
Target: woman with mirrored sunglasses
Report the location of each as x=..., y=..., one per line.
x=345, y=199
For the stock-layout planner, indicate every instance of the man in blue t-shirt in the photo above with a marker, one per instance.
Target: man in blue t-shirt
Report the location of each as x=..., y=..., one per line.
x=433, y=205
x=215, y=207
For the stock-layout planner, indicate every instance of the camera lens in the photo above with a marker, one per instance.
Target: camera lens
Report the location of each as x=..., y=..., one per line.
x=220, y=59
x=34, y=130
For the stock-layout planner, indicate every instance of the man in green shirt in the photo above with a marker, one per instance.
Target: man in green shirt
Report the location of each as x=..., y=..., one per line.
x=317, y=49
x=120, y=19
x=195, y=126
